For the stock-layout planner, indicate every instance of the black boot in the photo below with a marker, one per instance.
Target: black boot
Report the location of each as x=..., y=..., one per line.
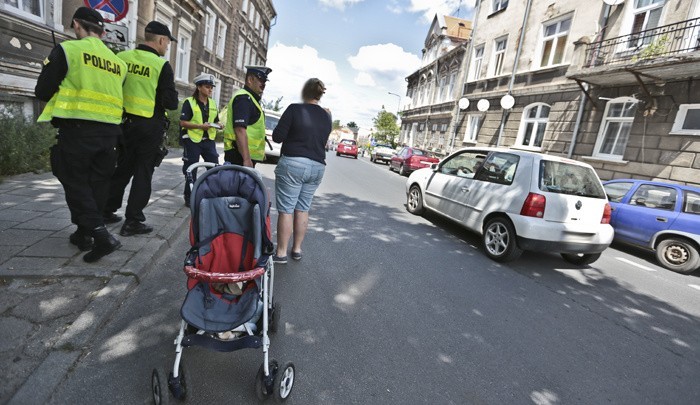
x=132, y=227
x=81, y=238
x=105, y=244
x=111, y=218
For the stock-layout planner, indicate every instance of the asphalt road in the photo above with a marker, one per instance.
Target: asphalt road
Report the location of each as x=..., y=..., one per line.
x=390, y=308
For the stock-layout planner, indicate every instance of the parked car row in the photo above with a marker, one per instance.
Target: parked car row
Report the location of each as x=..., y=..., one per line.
x=517, y=200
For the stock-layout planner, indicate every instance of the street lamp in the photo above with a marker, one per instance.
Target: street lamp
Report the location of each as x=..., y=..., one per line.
x=398, y=106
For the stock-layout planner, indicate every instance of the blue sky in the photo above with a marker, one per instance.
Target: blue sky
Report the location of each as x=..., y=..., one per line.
x=361, y=49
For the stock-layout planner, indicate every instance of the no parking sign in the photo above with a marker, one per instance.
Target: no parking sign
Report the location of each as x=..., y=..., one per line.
x=117, y=8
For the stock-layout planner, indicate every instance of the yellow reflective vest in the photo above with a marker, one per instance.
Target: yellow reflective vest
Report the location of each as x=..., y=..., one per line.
x=92, y=88
x=143, y=72
x=256, y=132
x=196, y=134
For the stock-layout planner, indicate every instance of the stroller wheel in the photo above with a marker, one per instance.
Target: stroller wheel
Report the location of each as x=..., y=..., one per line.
x=178, y=386
x=159, y=390
x=284, y=381
x=263, y=385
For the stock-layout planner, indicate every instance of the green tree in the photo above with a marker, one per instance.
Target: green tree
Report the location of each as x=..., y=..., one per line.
x=336, y=124
x=272, y=105
x=387, y=131
x=351, y=125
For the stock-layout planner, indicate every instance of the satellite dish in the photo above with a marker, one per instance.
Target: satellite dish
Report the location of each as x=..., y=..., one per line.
x=463, y=103
x=613, y=2
x=483, y=105
x=507, y=102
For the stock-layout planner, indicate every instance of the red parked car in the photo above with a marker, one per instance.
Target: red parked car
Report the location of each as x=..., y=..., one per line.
x=409, y=159
x=347, y=147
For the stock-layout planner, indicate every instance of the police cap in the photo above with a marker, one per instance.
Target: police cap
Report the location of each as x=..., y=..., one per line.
x=88, y=15
x=158, y=28
x=260, y=72
x=204, y=78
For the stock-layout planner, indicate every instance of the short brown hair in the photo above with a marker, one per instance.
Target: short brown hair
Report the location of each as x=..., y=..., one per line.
x=313, y=89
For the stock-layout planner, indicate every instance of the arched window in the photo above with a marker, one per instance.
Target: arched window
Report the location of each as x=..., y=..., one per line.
x=615, y=128
x=533, y=125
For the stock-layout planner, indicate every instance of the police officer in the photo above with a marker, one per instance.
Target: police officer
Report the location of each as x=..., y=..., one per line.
x=149, y=90
x=199, y=121
x=82, y=82
x=244, y=135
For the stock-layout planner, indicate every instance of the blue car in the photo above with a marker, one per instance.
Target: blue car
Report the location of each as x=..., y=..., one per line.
x=659, y=216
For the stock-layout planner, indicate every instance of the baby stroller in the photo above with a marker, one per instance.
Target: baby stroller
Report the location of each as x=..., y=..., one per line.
x=229, y=304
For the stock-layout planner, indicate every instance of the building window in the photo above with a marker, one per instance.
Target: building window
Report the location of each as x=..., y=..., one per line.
x=499, y=5
x=646, y=16
x=216, y=94
x=687, y=120
x=251, y=13
x=616, y=127
x=533, y=125
x=478, y=61
x=167, y=20
x=241, y=52
x=182, y=64
x=421, y=127
x=443, y=127
x=221, y=39
x=499, y=55
x=451, y=86
x=434, y=128
x=472, y=131
x=554, y=42
x=209, y=27
x=442, y=85
x=244, y=6
x=29, y=8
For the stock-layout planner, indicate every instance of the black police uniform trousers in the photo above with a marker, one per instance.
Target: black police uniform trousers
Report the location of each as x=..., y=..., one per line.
x=235, y=157
x=83, y=160
x=137, y=161
x=191, y=152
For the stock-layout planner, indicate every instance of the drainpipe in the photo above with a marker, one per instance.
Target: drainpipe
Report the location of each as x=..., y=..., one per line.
x=515, y=67
x=579, y=117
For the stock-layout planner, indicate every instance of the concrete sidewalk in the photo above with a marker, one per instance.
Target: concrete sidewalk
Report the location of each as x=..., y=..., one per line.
x=51, y=301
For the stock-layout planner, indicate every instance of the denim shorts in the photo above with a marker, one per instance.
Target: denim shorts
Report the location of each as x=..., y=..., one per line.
x=296, y=181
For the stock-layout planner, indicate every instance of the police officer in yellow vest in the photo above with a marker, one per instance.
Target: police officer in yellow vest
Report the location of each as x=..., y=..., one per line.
x=82, y=82
x=244, y=135
x=149, y=90
x=199, y=121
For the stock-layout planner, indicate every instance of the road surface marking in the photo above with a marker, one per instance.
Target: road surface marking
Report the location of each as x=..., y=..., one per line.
x=697, y=287
x=622, y=259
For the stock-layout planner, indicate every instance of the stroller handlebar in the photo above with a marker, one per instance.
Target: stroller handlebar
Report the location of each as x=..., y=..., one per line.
x=195, y=166
x=209, y=277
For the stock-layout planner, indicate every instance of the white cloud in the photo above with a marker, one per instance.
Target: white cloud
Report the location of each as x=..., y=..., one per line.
x=339, y=4
x=385, y=64
x=431, y=7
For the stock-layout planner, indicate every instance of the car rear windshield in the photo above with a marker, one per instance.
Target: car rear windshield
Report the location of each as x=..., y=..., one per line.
x=566, y=178
x=418, y=152
x=271, y=122
x=348, y=142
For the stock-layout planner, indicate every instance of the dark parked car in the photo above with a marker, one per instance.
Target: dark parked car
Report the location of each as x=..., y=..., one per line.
x=410, y=159
x=659, y=216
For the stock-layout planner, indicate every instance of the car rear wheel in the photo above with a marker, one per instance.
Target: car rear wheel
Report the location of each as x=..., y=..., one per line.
x=580, y=259
x=678, y=255
x=402, y=170
x=414, y=202
x=499, y=240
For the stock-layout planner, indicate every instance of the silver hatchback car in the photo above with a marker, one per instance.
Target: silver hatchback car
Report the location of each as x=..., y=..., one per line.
x=518, y=200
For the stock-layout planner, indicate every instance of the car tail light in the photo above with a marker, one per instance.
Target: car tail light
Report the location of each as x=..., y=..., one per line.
x=607, y=213
x=534, y=206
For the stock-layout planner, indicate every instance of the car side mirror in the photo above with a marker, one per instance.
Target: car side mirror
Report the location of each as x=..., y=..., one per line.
x=434, y=167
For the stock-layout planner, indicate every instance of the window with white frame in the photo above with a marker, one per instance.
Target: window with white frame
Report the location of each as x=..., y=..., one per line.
x=241, y=52
x=615, y=128
x=221, y=39
x=216, y=94
x=478, y=61
x=442, y=86
x=554, y=38
x=499, y=5
x=251, y=13
x=246, y=56
x=244, y=6
x=182, y=63
x=473, y=122
x=209, y=27
x=499, y=55
x=451, y=85
x=257, y=20
x=533, y=125
x=687, y=120
x=646, y=15
x=34, y=9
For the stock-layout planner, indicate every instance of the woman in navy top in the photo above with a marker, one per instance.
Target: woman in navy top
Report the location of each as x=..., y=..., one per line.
x=303, y=131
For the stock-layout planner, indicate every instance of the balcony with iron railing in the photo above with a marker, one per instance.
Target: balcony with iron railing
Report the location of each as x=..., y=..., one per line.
x=661, y=42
